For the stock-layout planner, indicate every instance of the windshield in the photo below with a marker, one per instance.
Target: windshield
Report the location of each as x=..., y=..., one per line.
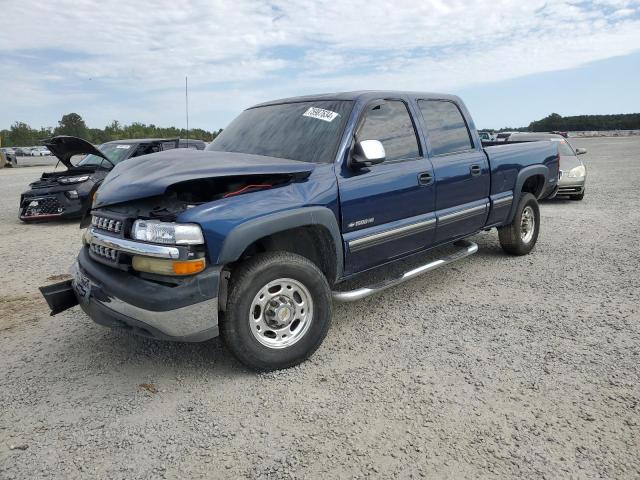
x=304, y=131
x=565, y=149
x=113, y=151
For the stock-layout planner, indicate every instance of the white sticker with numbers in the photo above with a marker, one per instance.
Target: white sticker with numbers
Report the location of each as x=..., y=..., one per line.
x=320, y=114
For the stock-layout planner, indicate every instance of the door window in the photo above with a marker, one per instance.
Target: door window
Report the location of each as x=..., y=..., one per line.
x=446, y=129
x=390, y=123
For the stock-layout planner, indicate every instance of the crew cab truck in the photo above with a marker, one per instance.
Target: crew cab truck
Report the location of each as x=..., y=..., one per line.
x=251, y=238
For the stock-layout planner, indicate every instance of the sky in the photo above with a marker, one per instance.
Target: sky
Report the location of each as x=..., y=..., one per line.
x=511, y=61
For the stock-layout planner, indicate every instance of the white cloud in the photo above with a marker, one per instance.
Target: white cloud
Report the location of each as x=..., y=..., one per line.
x=241, y=50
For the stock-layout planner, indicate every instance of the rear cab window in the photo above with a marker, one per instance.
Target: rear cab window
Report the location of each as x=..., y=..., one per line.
x=389, y=122
x=446, y=128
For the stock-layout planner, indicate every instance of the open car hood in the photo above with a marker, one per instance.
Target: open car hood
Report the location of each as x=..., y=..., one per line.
x=64, y=147
x=151, y=175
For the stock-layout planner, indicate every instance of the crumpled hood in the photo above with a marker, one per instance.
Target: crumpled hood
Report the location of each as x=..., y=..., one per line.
x=151, y=175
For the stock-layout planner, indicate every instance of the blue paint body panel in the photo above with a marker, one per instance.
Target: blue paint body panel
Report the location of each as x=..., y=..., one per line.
x=383, y=212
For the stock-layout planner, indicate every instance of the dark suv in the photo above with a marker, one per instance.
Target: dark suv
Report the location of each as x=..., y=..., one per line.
x=68, y=193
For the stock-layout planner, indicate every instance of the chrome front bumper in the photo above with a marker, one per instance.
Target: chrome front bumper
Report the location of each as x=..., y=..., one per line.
x=191, y=323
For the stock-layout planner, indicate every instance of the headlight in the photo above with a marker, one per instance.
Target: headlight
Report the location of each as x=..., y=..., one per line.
x=577, y=172
x=78, y=179
x=171, y=233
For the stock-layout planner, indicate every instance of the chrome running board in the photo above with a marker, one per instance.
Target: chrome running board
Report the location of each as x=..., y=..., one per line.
x=466, y=248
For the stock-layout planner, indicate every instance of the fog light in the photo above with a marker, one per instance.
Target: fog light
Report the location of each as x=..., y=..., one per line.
x=168, y=267
x=71, y=194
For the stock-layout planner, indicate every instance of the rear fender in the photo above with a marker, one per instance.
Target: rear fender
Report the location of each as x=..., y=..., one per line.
x=523, y=176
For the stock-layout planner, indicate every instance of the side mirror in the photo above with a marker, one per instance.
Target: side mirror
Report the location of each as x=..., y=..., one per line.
x=367, y=153
x=581, y=151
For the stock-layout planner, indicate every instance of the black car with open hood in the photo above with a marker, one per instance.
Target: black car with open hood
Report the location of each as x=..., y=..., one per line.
x=67, y=193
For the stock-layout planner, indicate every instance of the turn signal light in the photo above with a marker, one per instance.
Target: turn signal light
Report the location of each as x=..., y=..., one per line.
x=168, y=267
x=188, y=267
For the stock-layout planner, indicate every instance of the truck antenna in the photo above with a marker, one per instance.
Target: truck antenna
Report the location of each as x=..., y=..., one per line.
x=186, y=103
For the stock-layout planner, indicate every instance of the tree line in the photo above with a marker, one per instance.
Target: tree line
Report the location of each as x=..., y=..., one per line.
x=553, y=122
x=21, y=134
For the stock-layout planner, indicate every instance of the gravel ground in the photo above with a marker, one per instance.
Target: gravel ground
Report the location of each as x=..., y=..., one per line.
x=494, y=367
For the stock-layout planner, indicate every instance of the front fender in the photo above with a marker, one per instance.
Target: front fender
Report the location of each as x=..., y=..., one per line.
x=248, y=232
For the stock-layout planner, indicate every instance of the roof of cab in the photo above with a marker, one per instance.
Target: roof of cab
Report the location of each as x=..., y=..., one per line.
x=360, y=95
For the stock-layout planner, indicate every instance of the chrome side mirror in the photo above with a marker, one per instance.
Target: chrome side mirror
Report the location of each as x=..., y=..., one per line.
x=581, y=151
x=367, y=153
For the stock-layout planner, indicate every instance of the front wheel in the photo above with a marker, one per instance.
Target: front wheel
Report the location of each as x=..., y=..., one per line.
x=278, y=311
x=520, y=236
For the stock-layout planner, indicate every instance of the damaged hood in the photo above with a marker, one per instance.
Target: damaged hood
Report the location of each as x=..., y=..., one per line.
x=64, y=147
x=151, y=175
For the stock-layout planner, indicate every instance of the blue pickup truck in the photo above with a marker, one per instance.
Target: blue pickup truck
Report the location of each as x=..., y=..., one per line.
x=251, y=238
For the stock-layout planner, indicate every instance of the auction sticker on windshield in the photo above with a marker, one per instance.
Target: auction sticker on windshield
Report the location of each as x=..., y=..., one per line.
x=320, y=114
x=123, y=146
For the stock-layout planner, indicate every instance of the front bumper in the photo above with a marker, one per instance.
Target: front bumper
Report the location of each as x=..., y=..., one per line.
x=37, y=206
x=187, y=312
x=571, y=186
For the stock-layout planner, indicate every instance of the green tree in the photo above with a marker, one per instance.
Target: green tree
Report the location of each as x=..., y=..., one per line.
x=72, y=124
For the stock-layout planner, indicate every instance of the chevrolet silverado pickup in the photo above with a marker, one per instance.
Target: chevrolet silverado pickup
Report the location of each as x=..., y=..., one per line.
x=251, y=238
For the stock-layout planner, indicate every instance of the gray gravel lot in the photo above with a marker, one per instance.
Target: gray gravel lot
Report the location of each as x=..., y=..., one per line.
x=496, y=366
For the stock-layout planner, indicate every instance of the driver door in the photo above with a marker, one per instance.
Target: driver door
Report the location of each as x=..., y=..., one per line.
x=387, y=209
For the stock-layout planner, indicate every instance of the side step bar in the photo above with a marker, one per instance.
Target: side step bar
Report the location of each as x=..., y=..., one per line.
x=466, y=248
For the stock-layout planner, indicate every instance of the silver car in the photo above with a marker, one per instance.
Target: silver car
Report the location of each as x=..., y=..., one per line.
x=573, y=172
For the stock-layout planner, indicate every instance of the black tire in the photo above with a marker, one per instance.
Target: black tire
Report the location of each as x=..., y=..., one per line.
x=511, y=238
x=247, y=280
x=580, y=196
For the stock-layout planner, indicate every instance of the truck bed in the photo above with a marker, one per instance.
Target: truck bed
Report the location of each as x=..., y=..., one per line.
x=507, y=159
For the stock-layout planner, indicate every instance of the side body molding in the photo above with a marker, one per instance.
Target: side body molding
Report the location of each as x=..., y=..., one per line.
x=522, y=177
x=246, y=233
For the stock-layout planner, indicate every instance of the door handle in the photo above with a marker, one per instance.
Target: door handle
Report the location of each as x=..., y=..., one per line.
x=475, y=170
x=425, y=178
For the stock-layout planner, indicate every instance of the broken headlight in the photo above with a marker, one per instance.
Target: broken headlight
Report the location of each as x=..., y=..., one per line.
x=76, y=179
x=170, y=233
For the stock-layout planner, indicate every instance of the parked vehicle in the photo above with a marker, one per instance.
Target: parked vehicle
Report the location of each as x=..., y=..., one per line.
x=252, y=237
x=9, y=157
x=503, y=136
x=67, y=193
x=22, y=151
x=40, y=152
x=573, y=172
x=485, y=136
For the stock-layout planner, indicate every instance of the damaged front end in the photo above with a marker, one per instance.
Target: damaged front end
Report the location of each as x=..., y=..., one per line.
x=64, y=194
x=142, y=266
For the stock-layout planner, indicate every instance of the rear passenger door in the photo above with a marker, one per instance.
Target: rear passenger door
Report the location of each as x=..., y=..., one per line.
x=387, y=209
x=461, y=170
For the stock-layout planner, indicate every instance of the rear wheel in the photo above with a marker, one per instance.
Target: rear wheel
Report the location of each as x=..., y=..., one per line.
x=520, y=236
x=278, y=312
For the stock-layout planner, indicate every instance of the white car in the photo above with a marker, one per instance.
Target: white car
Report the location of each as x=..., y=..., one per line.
x=40, y=152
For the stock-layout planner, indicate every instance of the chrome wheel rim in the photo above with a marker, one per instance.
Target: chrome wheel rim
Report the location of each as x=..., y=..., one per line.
x=281, y=313
x=527, y=224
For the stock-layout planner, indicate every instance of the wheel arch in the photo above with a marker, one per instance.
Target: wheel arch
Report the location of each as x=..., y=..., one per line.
x=311, y=232
x=531, y=179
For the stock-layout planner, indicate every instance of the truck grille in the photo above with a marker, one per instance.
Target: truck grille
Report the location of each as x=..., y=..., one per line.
x=104, y=253
x=107, y=224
